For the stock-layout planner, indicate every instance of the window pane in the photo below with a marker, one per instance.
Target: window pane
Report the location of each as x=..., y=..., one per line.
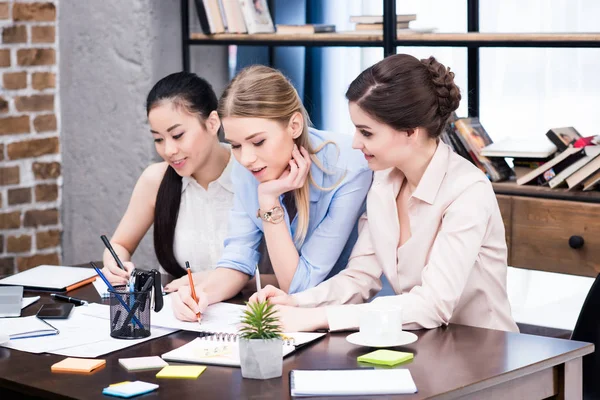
x=528, y=91
x=539, y=16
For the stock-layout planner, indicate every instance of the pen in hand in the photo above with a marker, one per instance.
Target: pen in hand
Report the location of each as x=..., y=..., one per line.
x=192, y=289
x=112, y=252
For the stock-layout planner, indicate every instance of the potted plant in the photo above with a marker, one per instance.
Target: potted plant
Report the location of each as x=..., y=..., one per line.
x=261, y=344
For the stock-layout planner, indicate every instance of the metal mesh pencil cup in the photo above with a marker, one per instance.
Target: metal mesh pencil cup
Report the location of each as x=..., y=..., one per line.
x=129, y=313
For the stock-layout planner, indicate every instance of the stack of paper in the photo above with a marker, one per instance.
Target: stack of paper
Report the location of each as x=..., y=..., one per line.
x=181, y=371
x=129, y=389
x=358, y=382
x=77, y=365
x=142, y=363
x=80, y=335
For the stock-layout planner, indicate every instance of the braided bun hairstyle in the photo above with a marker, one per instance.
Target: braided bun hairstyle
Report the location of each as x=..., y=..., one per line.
x=406, y=93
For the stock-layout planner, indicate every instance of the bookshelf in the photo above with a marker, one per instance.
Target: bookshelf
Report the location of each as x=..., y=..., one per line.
x=540, y=222
x=472, y=40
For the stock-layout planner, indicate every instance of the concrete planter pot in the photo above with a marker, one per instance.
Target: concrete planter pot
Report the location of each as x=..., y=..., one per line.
x=261, y=358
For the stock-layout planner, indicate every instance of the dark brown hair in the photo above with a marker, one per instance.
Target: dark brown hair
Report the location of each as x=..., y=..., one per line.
x=405, y=93
x=196, y=96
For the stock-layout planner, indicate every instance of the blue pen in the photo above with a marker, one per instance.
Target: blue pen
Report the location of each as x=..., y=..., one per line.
x=110, y=287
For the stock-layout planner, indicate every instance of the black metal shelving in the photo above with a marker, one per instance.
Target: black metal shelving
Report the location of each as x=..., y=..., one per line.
x=473, y=40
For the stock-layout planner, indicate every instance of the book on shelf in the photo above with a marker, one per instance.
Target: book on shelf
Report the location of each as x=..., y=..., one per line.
x=530, y=148
x=474, y=138
x=530, y=163
x=592, y=182
x=257, y=16
x=209, y=15
x=553, y=167
x=563, y=137
x=307, y=28
x=378, y=19
x=589, y=153
x=378, y=27
x=593, y=164
x=232, y=12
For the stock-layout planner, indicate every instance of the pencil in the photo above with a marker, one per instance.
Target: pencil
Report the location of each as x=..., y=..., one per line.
x=257, y=276
x=192, y=289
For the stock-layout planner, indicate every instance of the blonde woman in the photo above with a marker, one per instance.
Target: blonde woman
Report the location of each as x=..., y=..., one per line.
x=432, y=226
x=299, y=188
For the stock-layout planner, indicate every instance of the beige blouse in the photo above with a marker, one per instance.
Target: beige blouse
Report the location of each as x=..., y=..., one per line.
x=451, y=270
x=202, y=222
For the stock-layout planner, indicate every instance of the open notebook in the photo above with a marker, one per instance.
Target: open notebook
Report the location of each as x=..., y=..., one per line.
x=224, y=350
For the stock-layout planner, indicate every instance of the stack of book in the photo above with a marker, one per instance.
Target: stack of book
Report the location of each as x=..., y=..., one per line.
x=373, y=24
x=467, y=137
x=234, y=16
x=247, y=16
x=560, y=159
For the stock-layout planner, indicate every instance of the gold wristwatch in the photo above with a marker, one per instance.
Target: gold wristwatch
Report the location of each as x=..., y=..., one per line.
x=274, y=215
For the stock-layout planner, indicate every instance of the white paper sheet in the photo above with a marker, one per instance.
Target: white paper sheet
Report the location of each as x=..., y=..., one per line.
x=80, y=334
x=24, y=325
x=27, y=301
x=220, y=317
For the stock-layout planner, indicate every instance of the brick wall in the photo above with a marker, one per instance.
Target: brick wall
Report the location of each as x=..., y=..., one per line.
x=30, y=161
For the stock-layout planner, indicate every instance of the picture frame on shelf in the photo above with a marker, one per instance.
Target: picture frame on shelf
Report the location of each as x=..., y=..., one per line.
x=257, y=16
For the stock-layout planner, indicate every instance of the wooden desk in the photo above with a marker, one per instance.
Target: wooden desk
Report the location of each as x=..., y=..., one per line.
x=453, y=362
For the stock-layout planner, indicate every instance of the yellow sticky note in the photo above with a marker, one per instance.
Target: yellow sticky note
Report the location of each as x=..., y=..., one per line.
x=120, y=383
x=386, y=357
x=181, y=371
x=77, y=365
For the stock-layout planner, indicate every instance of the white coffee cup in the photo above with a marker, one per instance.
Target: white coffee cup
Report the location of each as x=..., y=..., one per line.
x=380, y=323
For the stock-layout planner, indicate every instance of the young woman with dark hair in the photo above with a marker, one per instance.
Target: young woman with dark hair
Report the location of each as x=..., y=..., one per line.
x=432, y=226
x=187, y=196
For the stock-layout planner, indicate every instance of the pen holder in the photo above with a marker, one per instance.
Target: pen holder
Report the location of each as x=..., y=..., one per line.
x=129, y=313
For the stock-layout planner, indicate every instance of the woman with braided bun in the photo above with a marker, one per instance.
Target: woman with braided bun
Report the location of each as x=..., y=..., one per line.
x=432, y=225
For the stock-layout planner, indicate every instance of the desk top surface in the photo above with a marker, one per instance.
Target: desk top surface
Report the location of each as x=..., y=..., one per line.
x=455, y=361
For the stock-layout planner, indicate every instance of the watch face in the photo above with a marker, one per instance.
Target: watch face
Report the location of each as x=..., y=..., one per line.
x=277, y=214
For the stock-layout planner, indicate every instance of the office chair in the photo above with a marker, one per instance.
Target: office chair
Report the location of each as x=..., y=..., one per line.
x=587, y=329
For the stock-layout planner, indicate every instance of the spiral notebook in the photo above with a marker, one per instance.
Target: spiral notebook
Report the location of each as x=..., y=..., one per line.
x=223, y=349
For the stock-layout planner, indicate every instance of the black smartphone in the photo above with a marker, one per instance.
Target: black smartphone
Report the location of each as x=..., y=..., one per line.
x=55, y=311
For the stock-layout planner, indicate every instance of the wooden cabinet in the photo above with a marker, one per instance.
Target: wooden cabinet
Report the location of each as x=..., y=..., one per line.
x=556, y=235
x=505, y=204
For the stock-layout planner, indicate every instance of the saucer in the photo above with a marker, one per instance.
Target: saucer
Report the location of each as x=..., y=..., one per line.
x=401, y=339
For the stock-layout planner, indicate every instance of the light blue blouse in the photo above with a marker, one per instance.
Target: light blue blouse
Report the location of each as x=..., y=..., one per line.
x=332, y=220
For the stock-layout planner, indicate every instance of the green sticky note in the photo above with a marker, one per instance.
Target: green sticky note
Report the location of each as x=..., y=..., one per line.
x=386, y=357
x=181, y=371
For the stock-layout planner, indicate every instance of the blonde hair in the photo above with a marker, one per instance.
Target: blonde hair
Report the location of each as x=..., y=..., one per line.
x=263, y=92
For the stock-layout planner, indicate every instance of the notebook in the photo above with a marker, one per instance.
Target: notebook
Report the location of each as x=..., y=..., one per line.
x=77, y=365
x=56, y=278
x=11, y=301
x=181, y=371
x=224, y=349
x=357, y=382
x=142, y=363
x=26, y=327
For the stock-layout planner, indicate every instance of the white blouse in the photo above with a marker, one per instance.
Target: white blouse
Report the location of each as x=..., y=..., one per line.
x=202, y=222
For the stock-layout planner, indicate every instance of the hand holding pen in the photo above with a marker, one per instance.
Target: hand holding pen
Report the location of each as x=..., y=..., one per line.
x=116, y=272
x=192, y=288
x=185, y=307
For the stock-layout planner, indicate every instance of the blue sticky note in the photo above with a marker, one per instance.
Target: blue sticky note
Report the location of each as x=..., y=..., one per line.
x=129, y=389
